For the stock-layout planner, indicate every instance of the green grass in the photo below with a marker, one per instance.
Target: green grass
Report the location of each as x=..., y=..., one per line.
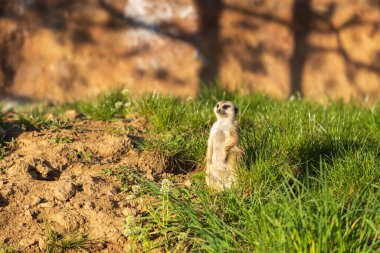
x=309, y=180
x=62, y=243
x=107, y=106
x=36, y=119
x=6, y=249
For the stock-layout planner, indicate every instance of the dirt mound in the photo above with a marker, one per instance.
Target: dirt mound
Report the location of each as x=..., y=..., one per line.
x=54, y=179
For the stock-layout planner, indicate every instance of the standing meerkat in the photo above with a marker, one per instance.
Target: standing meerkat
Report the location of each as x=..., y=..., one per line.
x=223, y=147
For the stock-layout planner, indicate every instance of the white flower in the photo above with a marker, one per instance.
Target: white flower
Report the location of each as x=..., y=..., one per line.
x=137, y=230
x=131, y=196
x=130, y=226
x=118, y=104
x=136, y=189
x=125, y=92
x=127, y=104
x=127, y=232
x=166, y=186
x=129, y=221
x=182, y=236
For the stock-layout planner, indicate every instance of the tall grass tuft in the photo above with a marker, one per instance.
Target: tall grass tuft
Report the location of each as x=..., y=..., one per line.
x=308, y=182
x=107, y=106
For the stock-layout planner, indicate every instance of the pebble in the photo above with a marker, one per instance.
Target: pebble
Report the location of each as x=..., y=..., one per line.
x=49, y=116
x=28, y=242
x=46, y=205
x=128, y=211
x=65, y=191
x=187, y=183
x=41, y=243
x=29, y=215
x=89, y=205
x=110, y=193
x=72, y=115
x=35, y=201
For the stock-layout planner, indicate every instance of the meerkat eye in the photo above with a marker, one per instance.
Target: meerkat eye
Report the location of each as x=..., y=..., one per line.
x=226, y=107
x=217, y=105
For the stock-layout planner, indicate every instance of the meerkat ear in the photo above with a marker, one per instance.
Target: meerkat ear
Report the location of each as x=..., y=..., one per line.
x=236, y=110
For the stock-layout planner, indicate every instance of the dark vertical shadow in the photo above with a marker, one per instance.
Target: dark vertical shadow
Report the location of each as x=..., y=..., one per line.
x=10, y=44
x=302, y=22
x=210, y=46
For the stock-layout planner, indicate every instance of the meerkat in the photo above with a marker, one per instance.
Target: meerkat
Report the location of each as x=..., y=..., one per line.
x=223, y=147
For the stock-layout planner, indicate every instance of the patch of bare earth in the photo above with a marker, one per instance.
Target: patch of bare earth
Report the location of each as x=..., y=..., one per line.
x=55, y=177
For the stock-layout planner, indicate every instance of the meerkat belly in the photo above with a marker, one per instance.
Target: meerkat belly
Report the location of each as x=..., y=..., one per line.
x=218, y=152
x=220, y=175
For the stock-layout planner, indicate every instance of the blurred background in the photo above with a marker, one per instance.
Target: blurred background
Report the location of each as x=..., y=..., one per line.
x=64, y=50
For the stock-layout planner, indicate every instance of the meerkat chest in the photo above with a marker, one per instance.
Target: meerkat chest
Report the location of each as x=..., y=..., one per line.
x=221, y=132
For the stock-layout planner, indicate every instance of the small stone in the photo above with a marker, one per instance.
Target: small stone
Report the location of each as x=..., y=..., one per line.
x=23, y=189
x=65, y=191
x=29, y=215
x=28, y=242
x=187, y=183
x=10, y=192
x=110, y=193
x=149, y=175
x=41, y=243
x=9, y=106
x=44, y=169
x=129, y=211
x=78, y=205
x=35, y=201
x=72, y=115
x=49, y=116
x=26, y=207
x=89, y=206
x=46, y=205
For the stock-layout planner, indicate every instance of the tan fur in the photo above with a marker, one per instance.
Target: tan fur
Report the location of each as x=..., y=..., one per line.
x=223, y=148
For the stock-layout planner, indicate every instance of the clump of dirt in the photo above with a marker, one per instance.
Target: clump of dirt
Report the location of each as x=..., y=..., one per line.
x=56, y=178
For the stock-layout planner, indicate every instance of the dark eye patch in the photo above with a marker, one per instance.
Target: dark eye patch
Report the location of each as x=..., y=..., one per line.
x=226, y=106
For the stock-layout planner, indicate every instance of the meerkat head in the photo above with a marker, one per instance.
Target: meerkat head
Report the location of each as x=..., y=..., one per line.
x=225, y=110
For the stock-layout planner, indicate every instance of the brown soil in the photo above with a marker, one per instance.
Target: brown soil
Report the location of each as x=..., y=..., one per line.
x=54, y=178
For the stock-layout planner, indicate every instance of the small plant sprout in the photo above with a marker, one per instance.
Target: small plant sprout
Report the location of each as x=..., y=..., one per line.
x=136, y=189
x=182, y=236
x=166, y=186
x=125, y=92
x=130, y=196
x=128, y=232
x=131, y=228
x=129, y=221
x=118, y=105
